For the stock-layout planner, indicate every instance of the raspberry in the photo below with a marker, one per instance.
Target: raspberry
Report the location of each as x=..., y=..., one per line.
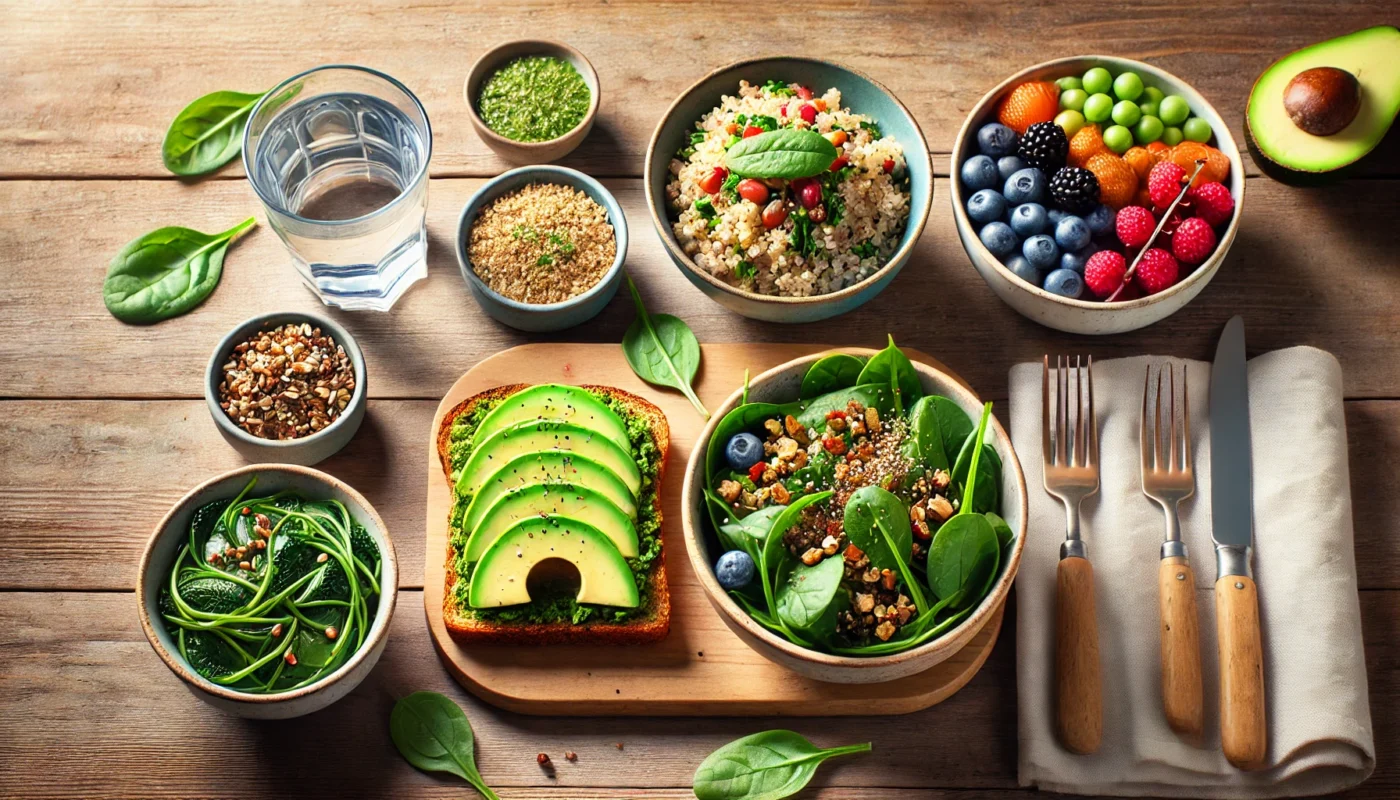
x=1193, y=241
x=1164, y=183
x=1104, y=272
x=1214, y=203
x=1135, y=225
x=1157, y=270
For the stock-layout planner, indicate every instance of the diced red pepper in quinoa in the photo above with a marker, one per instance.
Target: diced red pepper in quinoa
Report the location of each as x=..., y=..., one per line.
x=756, y=471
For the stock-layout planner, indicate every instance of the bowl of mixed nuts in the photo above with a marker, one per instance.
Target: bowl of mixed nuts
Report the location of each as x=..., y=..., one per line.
x=287, y=387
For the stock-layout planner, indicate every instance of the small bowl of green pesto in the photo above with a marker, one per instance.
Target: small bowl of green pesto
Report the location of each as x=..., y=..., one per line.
x=532, y=101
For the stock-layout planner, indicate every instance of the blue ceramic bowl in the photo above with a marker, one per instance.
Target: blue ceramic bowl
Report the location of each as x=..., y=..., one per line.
x=859, y=93
x=544, y=317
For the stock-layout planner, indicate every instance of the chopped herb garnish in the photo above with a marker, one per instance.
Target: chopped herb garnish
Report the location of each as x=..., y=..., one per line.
x=778, y=88
x=866, y=249
x=545, y=260
x=525, y=232
x=874, y=129
x=741, y=119
x=745, y=271
x=713, y=223
x=730, y=187
x=733, y=140
x=705, y=207
x=764, y=121
x=697, y=137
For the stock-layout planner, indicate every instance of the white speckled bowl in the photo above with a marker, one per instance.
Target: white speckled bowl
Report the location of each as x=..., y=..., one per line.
x=173, y=530
x=1091, y=316
x=780, y=385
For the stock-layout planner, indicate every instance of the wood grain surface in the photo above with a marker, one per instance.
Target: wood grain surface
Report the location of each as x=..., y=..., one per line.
x=101, y=426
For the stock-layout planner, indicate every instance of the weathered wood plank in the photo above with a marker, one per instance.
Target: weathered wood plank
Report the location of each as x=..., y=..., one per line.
x=1309, y=267
x=94, y=86
x=74, y=696
x=72, y=471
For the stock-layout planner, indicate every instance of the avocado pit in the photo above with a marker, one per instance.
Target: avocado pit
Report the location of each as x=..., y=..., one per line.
x=1322, y=100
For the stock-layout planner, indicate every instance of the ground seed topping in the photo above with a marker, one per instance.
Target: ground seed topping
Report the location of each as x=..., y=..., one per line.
x=288, y=382
x=542, y=243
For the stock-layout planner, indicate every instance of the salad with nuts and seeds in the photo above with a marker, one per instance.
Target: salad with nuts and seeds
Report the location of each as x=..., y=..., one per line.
x=860, y=519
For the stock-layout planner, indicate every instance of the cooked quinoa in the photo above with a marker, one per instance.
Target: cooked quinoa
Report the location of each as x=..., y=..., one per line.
x=788, y=245
x=542, y=243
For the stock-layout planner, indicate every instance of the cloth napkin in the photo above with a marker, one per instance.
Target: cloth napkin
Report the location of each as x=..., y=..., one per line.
x=1319, y=720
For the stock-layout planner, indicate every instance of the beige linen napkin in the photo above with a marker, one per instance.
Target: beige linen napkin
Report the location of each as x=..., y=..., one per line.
x=1319, y=719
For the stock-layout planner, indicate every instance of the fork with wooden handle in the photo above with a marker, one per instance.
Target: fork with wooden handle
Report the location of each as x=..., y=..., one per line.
x=1071, y=474
x=1167, y=478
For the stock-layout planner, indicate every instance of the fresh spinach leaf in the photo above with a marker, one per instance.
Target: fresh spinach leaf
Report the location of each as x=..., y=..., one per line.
x=742, y=418
x=662, y=350
x=965, y=554
x=773, y=545
x=829, y=373
x=878, y=523
x=1005, y=536
x=434, y=735
x=811, y=597
x=786, y=153
x=890, y=367
x=812, y=413
x=749, y=534
x=923, y=445
x=954, y=423
x=208, y=133
x=987, y=464
x=764, y=766
x=166, y=272
x=900, y=645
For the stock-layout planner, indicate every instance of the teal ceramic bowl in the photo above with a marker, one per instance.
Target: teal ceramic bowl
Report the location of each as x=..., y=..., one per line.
x=859, y=93
x=544, y=317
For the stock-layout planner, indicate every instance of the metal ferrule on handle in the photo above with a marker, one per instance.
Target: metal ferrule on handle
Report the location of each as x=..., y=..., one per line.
x=1232, y=559
x=1073, y=548
x=1173, y=548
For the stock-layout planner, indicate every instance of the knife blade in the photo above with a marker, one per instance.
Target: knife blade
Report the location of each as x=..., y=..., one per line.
x=1243, y=736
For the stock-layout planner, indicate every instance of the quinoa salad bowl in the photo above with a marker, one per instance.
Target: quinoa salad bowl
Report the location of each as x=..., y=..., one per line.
x=788, y=189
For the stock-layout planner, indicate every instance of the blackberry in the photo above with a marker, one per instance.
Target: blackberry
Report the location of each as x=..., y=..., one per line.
x=1075, y=190
x=1045, y=146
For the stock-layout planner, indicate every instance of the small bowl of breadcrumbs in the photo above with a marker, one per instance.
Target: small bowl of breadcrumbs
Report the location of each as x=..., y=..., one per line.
x=541, y=248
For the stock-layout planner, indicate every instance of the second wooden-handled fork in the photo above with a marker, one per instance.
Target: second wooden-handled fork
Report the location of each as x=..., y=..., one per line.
x=1167, y=478
x=1071, y=458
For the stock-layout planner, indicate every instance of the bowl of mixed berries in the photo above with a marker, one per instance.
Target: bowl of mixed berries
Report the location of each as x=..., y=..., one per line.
x=1096, y=194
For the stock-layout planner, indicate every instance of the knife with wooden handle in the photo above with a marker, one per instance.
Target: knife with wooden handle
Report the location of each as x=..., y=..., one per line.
x=1243, y=735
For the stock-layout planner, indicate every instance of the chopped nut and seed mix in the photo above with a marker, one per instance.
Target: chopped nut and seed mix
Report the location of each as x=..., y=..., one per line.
x=287, y=382
x=542, y=243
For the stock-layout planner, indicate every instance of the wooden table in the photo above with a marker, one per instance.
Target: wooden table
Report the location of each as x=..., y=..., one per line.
x=102, y=425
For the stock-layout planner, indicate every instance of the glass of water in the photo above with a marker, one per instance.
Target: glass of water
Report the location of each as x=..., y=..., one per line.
x=339, y=157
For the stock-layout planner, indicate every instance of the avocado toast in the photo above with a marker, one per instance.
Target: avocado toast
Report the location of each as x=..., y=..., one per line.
x=548, y=474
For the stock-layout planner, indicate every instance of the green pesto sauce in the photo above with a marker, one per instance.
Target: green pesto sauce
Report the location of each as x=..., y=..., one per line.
x=534, y=99
x=560, y=607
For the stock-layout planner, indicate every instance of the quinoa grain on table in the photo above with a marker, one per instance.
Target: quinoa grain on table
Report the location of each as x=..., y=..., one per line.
x=543, y=243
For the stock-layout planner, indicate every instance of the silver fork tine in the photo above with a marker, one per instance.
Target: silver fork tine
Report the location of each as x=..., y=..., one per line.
x=1062, y=413
x=1081, y=434
x=1158, y=461
x=1045, y=445
x=1185, y=420
x=1146, y=445
x=1093, y=420
x=1174, y=464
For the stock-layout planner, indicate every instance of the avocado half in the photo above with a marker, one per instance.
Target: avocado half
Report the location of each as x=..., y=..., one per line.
x=1346, y=91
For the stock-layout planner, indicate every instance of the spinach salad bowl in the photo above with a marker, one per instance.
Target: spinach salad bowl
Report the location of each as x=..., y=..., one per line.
x=263, y=623
x=881, y=239
x=793, y=626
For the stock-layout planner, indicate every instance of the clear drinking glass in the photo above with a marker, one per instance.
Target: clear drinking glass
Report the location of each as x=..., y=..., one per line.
x=339, y=157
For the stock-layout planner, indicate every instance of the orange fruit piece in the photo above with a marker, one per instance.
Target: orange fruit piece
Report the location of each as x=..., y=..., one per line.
x=1088, y=142
x=1029, y=103
x=1141, y=160
x=1117, y=180
x=1217, y=166
x=1158, y=150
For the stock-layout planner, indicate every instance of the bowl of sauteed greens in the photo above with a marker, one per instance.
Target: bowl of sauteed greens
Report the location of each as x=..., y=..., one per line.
x=854, y=515
x=268, y=590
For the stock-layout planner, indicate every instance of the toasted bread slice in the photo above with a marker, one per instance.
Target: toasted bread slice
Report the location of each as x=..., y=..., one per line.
x=654, y=620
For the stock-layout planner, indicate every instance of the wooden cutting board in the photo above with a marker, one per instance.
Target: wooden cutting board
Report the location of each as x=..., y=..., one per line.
x=700, y=668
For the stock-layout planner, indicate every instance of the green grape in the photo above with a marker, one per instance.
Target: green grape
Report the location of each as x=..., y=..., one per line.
x=1069, y=82
x=1196, y=129
x=1150, y=109
x=1071, y=121
x=1174, y=110
x=1154, y=95
x=1148, y=130
x=1127, y=86
x=1171, y=137
x=1118, y=139
x=1126, y=113
x=1097, y=80
x=1098, y=108
x=1073, y=99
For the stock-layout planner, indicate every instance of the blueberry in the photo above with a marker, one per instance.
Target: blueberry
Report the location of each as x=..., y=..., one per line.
x=1008, y=166
x=999, y=238
x=1028, y=219
x=1077, y=259
x=1041, y=251
x=1022, y=269
x=734, y=569
x=1065, y=283
x=1072, y=233
x=1055, y=215
x=996, y=140
x=1101, y=220
x=985, y=206
x=980, y=172
x=1025, y=186
x=743, y=451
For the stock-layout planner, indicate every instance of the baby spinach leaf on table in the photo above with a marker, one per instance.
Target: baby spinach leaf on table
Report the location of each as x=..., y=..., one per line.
x=166, y=272
x=923, y=445
x=434, y=735
x=208, y=133
x=662, y=350
x=764, y=766
x=829, y=373
x=877, y=522
x=785, y=153
x=890, y=367
x=810, y=598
